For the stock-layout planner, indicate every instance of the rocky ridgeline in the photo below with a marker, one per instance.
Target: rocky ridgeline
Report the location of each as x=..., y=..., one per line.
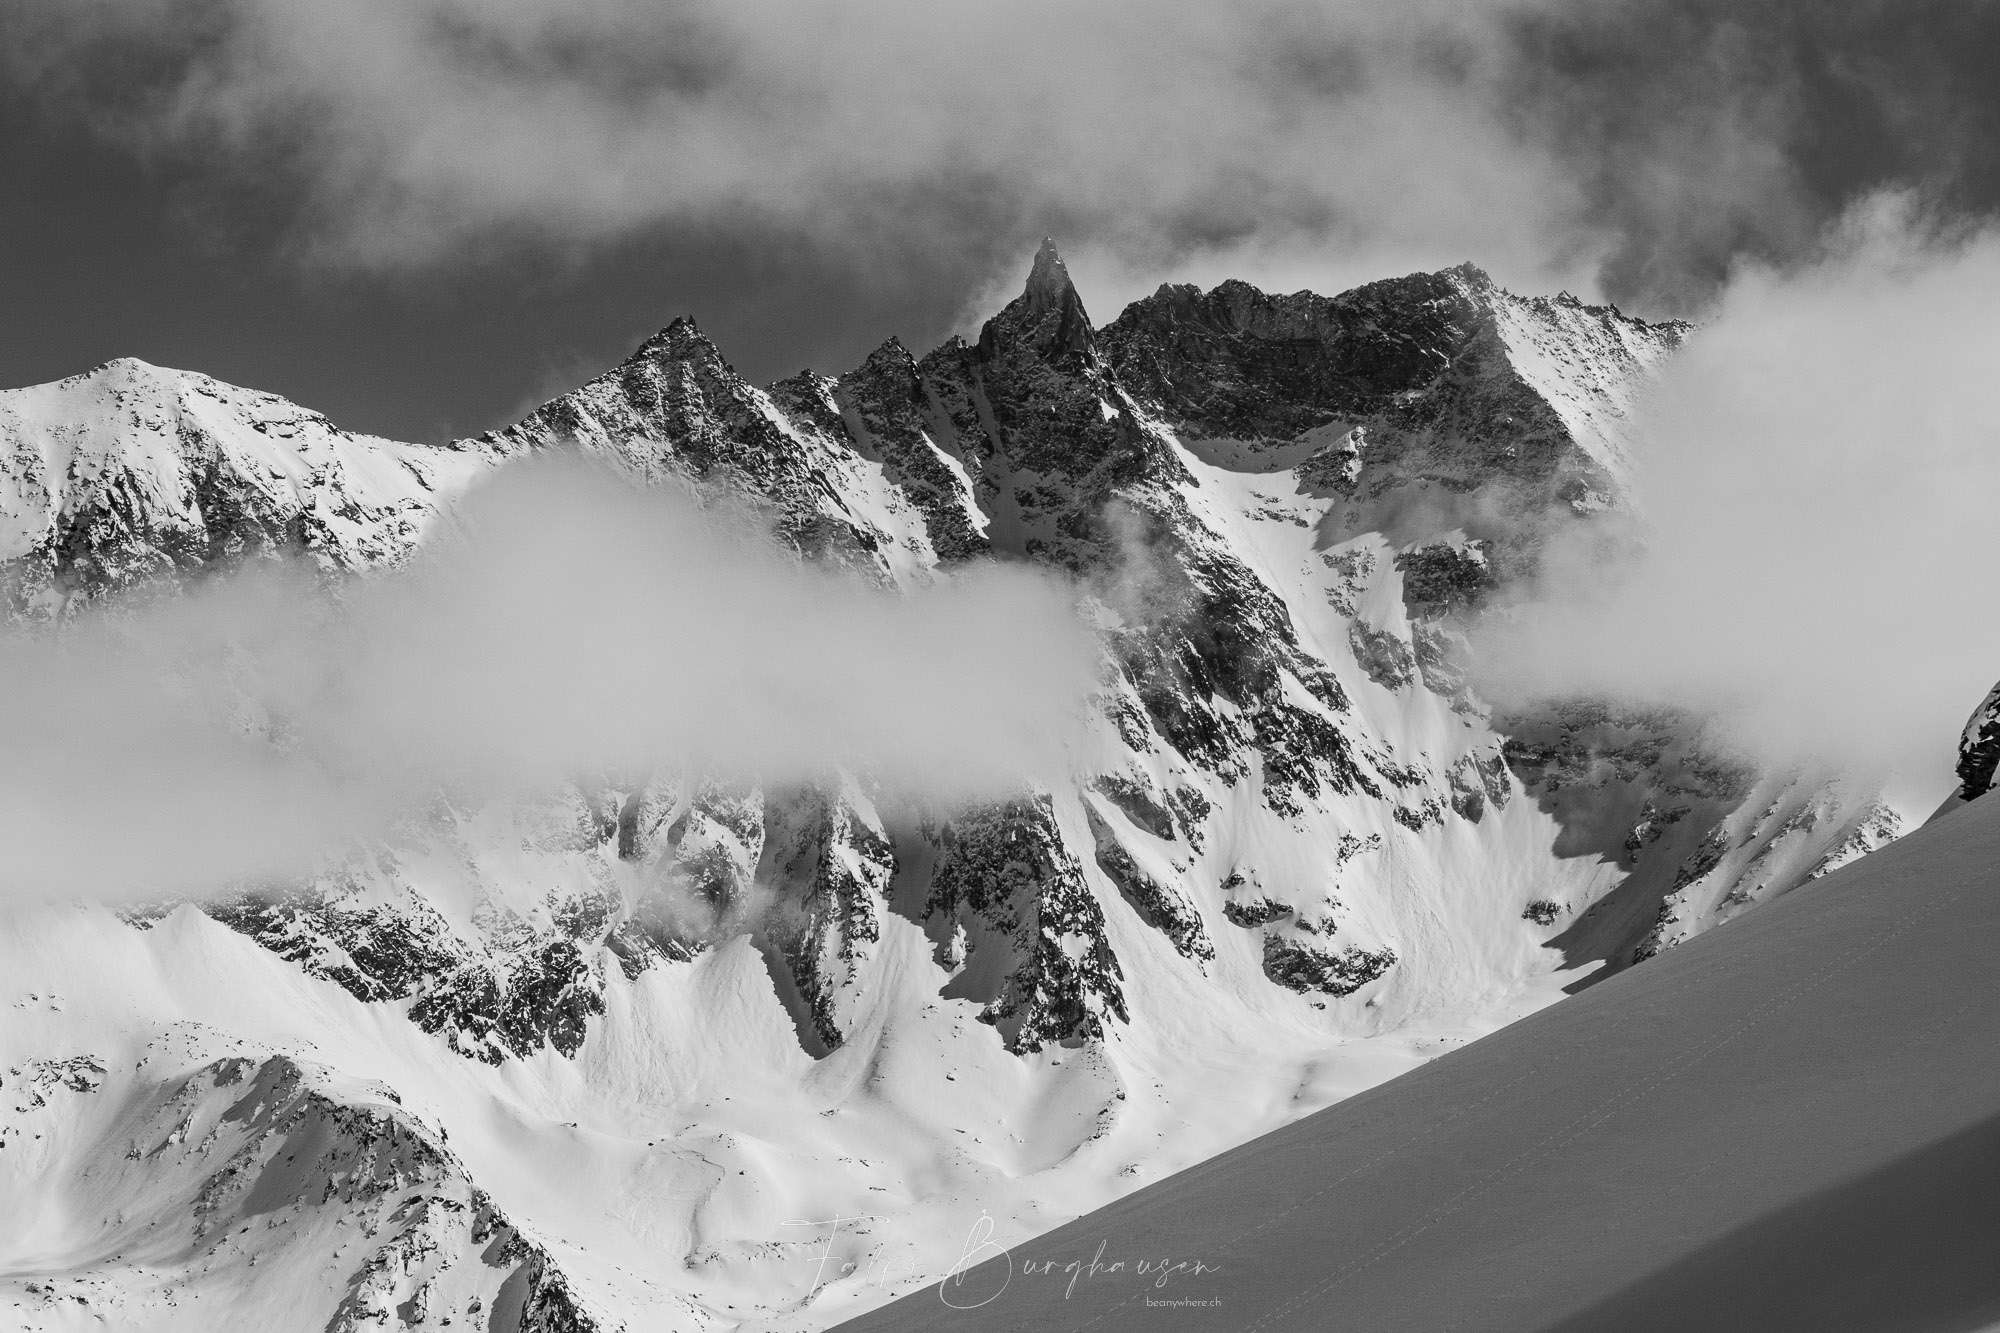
x=1418, y=438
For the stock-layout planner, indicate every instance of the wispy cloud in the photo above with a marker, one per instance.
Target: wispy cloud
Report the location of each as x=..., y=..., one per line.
x=574, y=627
x=1816, y=480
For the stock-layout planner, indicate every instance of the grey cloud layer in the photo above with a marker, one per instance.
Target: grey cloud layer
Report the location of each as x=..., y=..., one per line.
x=1634, y=147
x=416, y=126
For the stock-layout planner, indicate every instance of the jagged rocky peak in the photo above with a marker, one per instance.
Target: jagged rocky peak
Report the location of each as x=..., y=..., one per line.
x=674, y=395
x=1048, y=281
x=887, y=402
x=1048, y=315
x=669, y=382
x=889, y=379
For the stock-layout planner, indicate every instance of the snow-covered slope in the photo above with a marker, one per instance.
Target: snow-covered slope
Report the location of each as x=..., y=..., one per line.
x=1791, y=1124
x=1313, y=859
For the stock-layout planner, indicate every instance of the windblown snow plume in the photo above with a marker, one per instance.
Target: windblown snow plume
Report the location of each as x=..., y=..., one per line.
x=1815, y=481
x=571, y=624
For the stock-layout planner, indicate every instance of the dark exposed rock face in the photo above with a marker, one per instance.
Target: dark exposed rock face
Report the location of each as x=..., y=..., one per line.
x=835, y=864
x=1243, y=363
x=512, y=992
x=1388, y=660
x=1542, y=912
x=1479, y=782
x=1014, y=896
x=1979, y=748
x=888, y=410
x=1422, y=363
x=1162, y=906
x=1254, y=912
x=1301, y=966
x=1445, y=577
x=1139, y=802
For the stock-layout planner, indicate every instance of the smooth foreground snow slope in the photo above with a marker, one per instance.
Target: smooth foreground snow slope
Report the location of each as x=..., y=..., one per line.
x=1793, y=1123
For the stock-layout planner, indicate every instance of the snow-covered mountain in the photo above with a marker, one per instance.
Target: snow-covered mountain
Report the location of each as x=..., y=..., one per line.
x=130, y=472
x=495, y=1062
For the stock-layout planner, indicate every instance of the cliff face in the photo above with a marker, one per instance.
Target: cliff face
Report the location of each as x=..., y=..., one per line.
x=1312, y=853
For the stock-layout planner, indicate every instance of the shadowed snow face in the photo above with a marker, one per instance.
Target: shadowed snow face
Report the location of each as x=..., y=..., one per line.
x=1815, y=474
x=571, y=626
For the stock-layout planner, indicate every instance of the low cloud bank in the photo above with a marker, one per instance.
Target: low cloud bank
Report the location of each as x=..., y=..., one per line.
x=571, y=625
x=1816, y=481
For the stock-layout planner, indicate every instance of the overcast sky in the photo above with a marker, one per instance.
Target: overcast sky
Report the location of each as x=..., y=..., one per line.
x=420, y=216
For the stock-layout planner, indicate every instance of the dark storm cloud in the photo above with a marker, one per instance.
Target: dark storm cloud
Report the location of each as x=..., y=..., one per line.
x=1704, y=133
x=807, y=178
x=414, y=130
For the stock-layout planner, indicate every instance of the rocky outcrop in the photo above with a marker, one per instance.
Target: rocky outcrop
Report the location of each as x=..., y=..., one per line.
x=1020, y=925
x=832, y=864
x=1160, y=905
x=1979, y=748
x=1304, y=966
